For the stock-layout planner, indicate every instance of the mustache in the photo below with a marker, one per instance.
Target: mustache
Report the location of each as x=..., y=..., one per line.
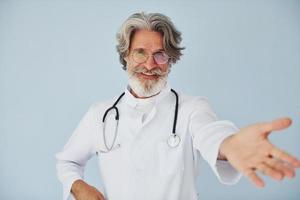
x=156, y=71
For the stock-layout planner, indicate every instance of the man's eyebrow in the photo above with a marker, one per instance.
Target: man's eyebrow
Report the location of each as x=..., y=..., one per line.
x=158, y=50
x=139, y=49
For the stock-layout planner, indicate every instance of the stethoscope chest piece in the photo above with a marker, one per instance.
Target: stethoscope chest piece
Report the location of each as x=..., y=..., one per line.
x=173, y=140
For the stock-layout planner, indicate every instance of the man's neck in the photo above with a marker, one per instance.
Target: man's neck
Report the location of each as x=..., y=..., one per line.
x=136, y=96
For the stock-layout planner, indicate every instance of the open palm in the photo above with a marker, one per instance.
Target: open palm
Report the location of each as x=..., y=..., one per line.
x=250, y=150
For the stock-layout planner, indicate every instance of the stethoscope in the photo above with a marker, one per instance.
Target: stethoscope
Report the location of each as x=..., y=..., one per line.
x=173, y=140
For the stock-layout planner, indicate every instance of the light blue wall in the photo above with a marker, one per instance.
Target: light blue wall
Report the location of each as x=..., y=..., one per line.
x=58, y=57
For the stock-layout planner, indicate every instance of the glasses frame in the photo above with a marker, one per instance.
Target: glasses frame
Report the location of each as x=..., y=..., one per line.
x=148, y=55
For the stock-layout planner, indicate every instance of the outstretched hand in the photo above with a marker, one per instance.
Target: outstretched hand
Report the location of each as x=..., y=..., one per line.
x=250, y=150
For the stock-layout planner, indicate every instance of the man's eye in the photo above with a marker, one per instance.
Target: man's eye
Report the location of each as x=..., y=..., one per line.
x=140, y=51
x=159, y=53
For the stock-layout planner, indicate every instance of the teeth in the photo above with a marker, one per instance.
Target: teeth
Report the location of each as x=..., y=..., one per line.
x=149, y=74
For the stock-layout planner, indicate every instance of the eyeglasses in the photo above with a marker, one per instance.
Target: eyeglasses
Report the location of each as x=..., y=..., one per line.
x=140, y=56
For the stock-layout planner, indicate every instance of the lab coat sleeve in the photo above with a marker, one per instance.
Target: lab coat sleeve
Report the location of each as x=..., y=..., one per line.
x=208, y=133
x=77, y=151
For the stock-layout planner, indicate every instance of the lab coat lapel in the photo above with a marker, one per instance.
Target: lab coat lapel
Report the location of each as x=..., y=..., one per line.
x=150, y=116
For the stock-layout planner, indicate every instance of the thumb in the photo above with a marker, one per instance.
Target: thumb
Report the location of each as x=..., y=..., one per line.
x=275, y=125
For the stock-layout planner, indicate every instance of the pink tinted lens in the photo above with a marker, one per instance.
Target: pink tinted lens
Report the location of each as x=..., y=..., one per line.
x=161, y=58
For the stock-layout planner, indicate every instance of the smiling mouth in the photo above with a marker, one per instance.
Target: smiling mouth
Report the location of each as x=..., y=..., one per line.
x=148, y=75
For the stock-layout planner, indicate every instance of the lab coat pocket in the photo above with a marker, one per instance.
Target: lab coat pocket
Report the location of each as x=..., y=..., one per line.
x=170, y=159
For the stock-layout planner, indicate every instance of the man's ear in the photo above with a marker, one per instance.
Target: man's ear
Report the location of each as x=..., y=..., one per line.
x=126, y=59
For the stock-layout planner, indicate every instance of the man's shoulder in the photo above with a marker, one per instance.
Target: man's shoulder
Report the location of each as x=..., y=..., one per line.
x=192, y=99
x=103, y=104
x=194, y=103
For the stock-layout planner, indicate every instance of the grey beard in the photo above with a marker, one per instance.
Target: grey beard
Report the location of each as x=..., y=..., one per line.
x=148, y=87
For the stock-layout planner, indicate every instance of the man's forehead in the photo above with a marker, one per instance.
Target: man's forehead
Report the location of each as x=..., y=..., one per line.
x=146, y=39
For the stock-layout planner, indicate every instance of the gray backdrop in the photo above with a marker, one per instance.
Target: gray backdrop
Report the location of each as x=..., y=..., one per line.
x=58, y=57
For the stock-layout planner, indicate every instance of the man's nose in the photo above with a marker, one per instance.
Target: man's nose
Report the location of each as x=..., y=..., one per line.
x=150, y=63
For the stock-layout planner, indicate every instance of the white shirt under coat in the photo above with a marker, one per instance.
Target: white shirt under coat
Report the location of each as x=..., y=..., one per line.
x=145, y=167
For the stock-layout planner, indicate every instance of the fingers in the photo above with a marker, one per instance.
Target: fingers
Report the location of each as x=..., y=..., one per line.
x=269, y=171
x=280, y=166
x=279, y=154
x=271, y=167
x=254, y=178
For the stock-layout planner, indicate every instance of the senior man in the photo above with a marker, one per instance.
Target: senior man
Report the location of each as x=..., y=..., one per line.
x=150, y=138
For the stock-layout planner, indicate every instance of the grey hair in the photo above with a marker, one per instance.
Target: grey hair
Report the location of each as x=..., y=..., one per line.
x=153, y=22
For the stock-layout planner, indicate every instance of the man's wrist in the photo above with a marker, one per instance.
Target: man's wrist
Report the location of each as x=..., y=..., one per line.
x=77, y=185
x=221, y=156
x=223, y=148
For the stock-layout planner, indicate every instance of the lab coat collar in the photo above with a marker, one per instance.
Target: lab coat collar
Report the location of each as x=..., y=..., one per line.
x=133, y=101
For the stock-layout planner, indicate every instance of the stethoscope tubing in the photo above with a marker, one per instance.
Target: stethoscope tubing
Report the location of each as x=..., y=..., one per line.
x=117, y=117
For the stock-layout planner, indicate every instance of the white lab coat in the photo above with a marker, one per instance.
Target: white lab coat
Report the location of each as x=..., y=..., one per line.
x=145, y=167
